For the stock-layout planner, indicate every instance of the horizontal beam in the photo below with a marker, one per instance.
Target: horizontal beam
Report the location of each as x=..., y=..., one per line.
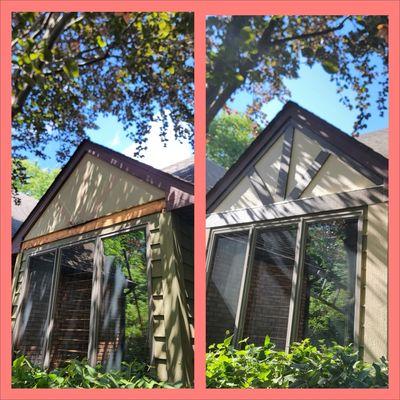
x=301, y=207
x=99, y=223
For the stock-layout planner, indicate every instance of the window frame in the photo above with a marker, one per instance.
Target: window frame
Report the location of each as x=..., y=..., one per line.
x=57, y=246
x=298, y=271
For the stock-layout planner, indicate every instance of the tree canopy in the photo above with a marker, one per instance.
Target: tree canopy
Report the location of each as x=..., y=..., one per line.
x=256, y=54
x=69, y=68
x=231, y=134
x=38, y=180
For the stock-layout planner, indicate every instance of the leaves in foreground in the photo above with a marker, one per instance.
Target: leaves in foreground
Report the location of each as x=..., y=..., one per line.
x=305, y=366
x=78, y=374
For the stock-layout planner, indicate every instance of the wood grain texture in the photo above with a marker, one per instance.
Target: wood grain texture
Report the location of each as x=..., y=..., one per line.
x=103, y=222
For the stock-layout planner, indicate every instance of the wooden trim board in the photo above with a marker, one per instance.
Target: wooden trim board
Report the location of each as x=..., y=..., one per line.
x=102, y=222
x=300, y=207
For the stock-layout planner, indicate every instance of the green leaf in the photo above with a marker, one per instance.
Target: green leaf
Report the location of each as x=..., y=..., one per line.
x=330, y=67
x=100, y=41
x=239, y=77
x=71, y=68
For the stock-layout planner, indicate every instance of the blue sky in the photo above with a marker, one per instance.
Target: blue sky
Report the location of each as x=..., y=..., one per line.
x=314, y=91
x=111, y=134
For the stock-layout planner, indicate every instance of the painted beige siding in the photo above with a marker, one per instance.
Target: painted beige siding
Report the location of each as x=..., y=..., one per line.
x=304, y=152
x=374, y=321
x=335, y=176
x=242, y=196
x=94, y=189
x=268, y=165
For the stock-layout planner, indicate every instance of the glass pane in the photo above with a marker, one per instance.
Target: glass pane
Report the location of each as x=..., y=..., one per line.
x=224, y=284
x=123, y=326
x=35, y=305
x=327, y=309
x=70, y=336
x=270, y=286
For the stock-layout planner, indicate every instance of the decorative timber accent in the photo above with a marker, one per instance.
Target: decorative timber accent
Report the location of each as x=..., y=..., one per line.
x=260, y=187
x=102, y=222
x=285, y=163
x=310, y=174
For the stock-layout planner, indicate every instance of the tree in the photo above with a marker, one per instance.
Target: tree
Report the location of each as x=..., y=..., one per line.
x=231, y=134
x=256, y=53
x=69, y=68
x=37, y=181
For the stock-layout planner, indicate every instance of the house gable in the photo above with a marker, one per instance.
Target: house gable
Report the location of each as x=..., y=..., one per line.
x=113, y=189
x=298, y=156
x=93, y=189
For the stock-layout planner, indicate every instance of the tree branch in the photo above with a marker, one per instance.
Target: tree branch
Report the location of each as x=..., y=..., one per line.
x=51, y=38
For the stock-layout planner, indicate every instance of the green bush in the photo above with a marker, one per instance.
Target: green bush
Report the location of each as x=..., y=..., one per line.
x=78, y=374
x=305, y=366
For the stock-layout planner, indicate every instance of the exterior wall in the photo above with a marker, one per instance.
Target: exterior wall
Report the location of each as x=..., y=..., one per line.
x=375, y=271
x=335, y=175
x=94, y=189
x=171, y=272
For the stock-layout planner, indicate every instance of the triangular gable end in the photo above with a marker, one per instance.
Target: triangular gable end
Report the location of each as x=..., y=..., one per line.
x=298, y=156
x=97, y=182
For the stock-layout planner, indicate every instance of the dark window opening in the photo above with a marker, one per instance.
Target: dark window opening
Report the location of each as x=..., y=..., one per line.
x=270, y=286
x=224, y=284
x=123, y=325
x=328, y=291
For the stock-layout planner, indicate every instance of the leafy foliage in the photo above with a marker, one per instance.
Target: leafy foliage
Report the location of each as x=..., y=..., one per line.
x=69, y=68
x=231, y=134
x=305, y=366
x=130, y=248
x=37, y=181
x=78, y=374
x=330, y=281
x=256, y=53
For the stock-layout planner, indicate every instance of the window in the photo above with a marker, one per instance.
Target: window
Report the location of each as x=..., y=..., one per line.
x=224, y=284
x=89, y=300
x=123, y=325
x=32, y=323
x=270, y=285
x=72, y=306
x=328, y=285
x=300, y=281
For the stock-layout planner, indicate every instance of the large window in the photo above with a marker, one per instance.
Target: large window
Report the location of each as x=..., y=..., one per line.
x=32, y=322
x=298, y=281
x=328, y=295
x=224, y=284
x=87, y=300
x=270, y=285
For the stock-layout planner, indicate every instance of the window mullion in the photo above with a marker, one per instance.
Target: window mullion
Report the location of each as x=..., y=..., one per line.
x=244, y=288
x=297, y=280
x=95, y=302
x=51, y=310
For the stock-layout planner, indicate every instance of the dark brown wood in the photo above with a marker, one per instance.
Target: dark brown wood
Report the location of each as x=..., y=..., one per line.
x=310, y=174
x=361, y=157
x=285, y=163
x=260, y=187
x=301, y=207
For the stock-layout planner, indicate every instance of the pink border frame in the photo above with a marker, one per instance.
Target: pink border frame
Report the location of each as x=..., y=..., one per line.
x=201, y=9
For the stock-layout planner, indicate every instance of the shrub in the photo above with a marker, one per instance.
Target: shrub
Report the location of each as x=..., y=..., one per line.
x=78, y=374
x=305, y=366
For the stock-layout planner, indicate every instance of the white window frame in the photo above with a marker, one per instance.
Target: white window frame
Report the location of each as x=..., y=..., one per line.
x=298, y=271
